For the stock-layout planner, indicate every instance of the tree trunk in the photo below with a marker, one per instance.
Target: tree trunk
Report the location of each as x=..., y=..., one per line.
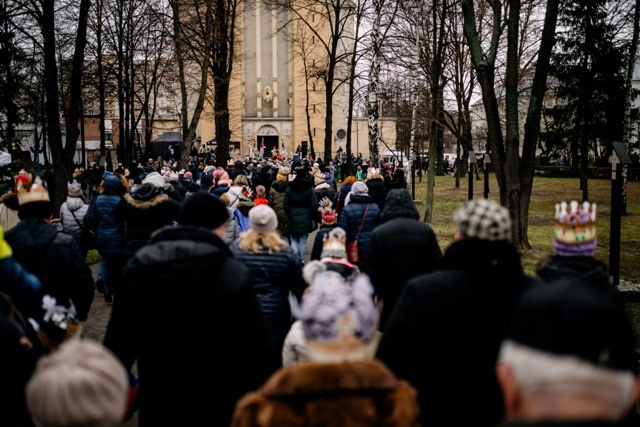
x=628, y=125
x=52, y=94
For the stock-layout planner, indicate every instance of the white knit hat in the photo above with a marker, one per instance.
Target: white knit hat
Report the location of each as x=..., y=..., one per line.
x=80, y=384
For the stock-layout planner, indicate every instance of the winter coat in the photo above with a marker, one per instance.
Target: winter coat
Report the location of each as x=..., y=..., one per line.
x=581, y=268
x=273, y=276
x=147, y=209
x=72, y=223
x=301, y=205
x=401, y=247
x=276, y=201
x=324, y=190
x=352, y=216
x=350, y=394
x=235, y=194
x=55, y=259
x=341, y=196
x=241, y=214
x=231, y=233
x=377, y=191
x=447, y=327
x=106, y=215
x=180, y=292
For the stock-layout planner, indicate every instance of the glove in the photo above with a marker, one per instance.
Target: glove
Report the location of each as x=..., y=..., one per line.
x=5, y=249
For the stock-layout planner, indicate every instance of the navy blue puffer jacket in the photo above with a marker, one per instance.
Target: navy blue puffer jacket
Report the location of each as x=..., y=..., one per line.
x=352, y=216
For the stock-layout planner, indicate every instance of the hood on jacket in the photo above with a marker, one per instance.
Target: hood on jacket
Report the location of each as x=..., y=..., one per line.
x=300, y=183
x=280, y=186
x=399, y=204
x=74, y=203
x=145, y=196
x=35, y=234
x=112, y=185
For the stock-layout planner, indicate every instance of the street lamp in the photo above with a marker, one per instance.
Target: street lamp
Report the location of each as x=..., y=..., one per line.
x=472, y=161
x=487, y=162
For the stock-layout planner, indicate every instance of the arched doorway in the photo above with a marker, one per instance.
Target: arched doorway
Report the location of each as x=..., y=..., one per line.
x=267, y=141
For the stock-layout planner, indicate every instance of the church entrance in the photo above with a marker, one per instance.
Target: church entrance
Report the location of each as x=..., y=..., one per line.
x=267, y=145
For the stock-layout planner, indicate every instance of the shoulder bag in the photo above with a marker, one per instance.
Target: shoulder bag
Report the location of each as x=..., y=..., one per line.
x=353, y=255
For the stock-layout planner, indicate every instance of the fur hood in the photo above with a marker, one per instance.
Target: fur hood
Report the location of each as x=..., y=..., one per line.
x=145, y=197
x=363, y=393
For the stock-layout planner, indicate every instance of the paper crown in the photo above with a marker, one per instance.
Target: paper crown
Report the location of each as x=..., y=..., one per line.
x=334, y=244
x=575, y=229
x=325, y=202
x=30, y=192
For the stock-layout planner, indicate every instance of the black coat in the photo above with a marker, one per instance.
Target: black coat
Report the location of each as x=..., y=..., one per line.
x=401, y=248
x=273, y=277
x=377, y=191
x=190, y=318
x=55, y=259
x=445, y=332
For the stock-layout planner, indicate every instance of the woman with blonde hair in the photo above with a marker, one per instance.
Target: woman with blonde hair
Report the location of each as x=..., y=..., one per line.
x=236, y=190
x=275, y=272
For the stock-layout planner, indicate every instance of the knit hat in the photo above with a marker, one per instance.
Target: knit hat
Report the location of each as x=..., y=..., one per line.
x=574, y=232
x=80, y=384
x=334, y=244
x=263, y=219
x=260, y=190
x=74, y=189
x=31, y=191
x=483, y=219
x=339, y=321
x=203, y=209
x=283, y=174
x=576, y=319
x=318, y=178
x=154, y=178
x=359, y=188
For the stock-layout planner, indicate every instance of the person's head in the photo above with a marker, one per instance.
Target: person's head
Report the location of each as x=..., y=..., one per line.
x=155, y=179
x=74, y=189
x=359, y=188
x=339, y=320
x=349, y=180
x=241, y=181
x=283, y=174
x=261, y=191
x=80, y=384
x=33, y=198
x=574, y=231
x=484, y=220
x=569, y=355
x=204, y=210
x=399, y=203
x=263, y=231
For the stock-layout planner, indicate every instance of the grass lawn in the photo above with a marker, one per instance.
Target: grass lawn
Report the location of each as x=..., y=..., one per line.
x=546, y=193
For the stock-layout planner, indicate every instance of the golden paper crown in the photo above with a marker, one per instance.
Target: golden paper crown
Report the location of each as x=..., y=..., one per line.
x=34, y=191
x=334, y=244
x=577, y=225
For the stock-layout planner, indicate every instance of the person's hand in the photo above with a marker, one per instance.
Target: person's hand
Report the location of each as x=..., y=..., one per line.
x=5, y=249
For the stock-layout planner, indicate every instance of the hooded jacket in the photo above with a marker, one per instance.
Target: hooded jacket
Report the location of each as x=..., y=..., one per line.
x=301, y=205
x=447, y=328
x=147, y=209
x=55, y=259
x=179, y=292
x=401, y=248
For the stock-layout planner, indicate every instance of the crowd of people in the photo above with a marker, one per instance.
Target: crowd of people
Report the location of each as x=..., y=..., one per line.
x=219, y=316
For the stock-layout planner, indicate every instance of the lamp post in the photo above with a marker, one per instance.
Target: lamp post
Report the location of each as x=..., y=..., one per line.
x=487, y=162
x=472, y=160
x=619, y=157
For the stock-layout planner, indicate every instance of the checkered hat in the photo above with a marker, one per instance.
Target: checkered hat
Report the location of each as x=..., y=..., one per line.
x=483, y=219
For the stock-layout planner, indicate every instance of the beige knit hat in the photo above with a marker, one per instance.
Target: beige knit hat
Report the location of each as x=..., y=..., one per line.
x=80, y=384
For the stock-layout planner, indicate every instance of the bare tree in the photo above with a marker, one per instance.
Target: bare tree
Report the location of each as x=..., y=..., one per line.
x=514, y=172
